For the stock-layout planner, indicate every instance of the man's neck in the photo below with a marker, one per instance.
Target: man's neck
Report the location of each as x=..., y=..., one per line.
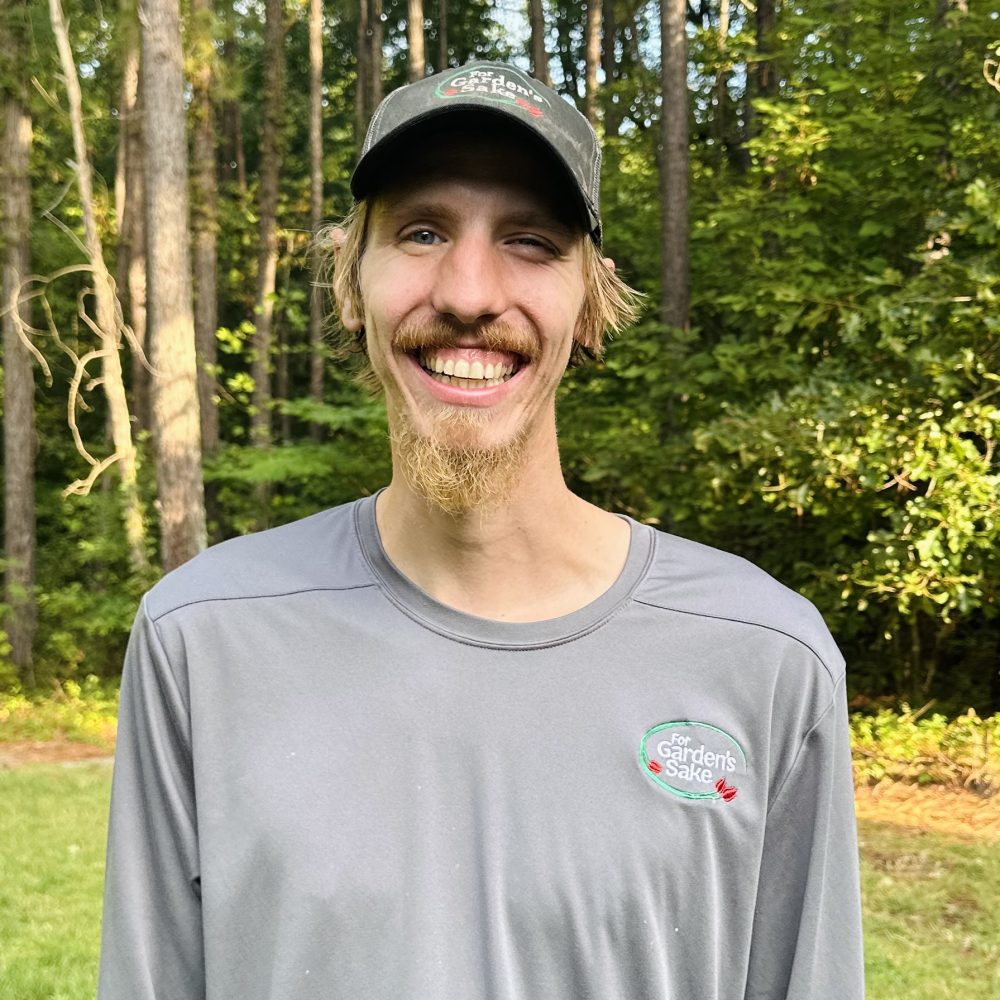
x=543, y=553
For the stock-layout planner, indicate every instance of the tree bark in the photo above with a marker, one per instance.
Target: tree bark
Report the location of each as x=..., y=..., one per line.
x=375, y=62
x=539, y=57
x=362, y=87
x=442, y=35
x=674, y=163
x=417, y=64
x=761, y=79
x=108, y=321
x=317, y=354
x=267, y=261
x=593, y=58
x=130, y=195
x=235, y=161
x=204, y=221
x=176, y=424
x=612, y=106
x=19, y=394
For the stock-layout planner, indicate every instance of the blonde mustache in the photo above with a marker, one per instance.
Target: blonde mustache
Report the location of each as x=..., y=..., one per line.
x=496, y=336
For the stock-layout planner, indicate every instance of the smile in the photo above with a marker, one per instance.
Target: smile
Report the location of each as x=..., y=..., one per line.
x=479, y=372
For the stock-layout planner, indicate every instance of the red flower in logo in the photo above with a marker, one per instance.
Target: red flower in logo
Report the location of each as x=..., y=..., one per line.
x=655, y=767
x=727, y=792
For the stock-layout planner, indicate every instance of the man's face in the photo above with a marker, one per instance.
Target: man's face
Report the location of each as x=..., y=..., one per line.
x=472, y=283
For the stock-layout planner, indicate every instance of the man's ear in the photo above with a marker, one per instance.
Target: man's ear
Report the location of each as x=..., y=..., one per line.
x=348, y=311
x=609, y=264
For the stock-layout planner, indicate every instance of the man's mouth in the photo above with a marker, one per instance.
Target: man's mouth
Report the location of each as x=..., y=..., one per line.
x=467, y=368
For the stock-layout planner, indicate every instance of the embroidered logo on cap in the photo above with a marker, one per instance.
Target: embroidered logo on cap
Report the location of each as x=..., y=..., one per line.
x=693, y=760
x=494, y=85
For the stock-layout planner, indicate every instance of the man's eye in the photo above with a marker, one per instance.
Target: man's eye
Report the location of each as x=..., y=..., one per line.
x=425, y=237
x=535, y=243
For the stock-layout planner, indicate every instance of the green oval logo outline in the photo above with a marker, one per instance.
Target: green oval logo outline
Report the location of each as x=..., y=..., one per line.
x=683, y=793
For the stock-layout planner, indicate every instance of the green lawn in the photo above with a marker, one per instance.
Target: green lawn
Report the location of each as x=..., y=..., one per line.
x=932, y=923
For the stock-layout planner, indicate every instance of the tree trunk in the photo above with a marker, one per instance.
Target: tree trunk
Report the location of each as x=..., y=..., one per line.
x=130, y=197
x=442, y=35
x=674, y=163
x=267, y=261
x=204, y=221
x=317, y=354
x=593, y=58
x=19, y=394
x=108, y=324
x=416, y=62
x=176, y=424
x=539, y=57
x=235, y=161
x=362, y=87
x=612, y=105
x=761, y=79
x=375, y=62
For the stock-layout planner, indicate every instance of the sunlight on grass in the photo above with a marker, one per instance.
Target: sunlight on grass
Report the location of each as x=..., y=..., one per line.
x=931, y=925
x=52, y=832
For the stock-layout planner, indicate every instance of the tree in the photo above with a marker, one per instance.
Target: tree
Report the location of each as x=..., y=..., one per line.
x=362, y=86
x=176, y=424
x=417, y=65
x=442, y=35
x=107, y=324
x=267, y=260
x=204, y=219
x=130, y=202
x=317, y=353
x=592, y=46
x=674, y=163
x=539, y=57
x=19, y=393
x=375, y=59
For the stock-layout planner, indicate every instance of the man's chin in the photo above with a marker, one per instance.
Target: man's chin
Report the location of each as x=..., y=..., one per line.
x=452, y=467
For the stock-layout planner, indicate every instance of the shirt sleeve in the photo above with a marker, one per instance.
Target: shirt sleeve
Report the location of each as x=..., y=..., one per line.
x=806, y=942
x=152, y=932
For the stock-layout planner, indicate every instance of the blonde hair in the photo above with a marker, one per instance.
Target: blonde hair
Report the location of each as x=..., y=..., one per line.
x=609, y=305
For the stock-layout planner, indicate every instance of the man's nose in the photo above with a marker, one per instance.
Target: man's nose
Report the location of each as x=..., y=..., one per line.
x=469, y=285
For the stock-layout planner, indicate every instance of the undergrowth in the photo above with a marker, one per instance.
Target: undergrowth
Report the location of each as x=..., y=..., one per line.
x=85, y=712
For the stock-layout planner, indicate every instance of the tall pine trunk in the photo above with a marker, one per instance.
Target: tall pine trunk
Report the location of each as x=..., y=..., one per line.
x=593, y=58
x=416, y=63
x=539, y=57
x=176, y=424
x=375, y=61
x=19, y=393
x=107, y=323
x=442, y=35
x=130, y=199
x=674, y=163
x=317, y=354
x=204, y=220
x=267, y=261
x=362, y=87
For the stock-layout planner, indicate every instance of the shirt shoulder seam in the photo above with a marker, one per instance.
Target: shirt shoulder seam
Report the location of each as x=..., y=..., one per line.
x=254, y=597
x=744, y=621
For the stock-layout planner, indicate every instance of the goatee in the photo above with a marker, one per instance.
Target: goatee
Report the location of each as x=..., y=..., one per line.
x=454, y=477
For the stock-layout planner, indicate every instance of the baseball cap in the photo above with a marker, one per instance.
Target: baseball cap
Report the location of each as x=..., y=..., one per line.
x=488, y=88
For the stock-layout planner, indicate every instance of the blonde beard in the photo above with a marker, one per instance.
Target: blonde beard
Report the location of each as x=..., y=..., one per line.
x=456, y=478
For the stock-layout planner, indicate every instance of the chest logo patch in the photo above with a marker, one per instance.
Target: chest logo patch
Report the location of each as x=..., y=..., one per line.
x=693, y=760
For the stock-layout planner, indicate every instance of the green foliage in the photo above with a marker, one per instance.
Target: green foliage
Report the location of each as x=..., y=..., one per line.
x=905, y=747
x=85, y=712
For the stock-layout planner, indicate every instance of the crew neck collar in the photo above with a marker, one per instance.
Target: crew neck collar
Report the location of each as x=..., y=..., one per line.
x=471, y=629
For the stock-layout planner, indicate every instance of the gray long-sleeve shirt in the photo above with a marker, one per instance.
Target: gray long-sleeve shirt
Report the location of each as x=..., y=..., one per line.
x=330, y=786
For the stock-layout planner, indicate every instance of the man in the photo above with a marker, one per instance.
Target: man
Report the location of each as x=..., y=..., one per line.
x=474, y=737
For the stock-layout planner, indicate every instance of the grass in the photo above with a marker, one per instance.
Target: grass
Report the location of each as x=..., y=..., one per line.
x=931, y=924
x=52, y=832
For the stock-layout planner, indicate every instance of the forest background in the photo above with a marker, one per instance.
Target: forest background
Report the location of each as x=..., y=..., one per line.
x=807, y=193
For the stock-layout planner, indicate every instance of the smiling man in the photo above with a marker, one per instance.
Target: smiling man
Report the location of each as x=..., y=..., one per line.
x=473, y=737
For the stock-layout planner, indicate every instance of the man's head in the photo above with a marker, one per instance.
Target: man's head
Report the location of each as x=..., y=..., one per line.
x=470, y=272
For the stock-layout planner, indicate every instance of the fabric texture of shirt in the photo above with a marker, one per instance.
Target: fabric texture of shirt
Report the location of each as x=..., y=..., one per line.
x=329, y=786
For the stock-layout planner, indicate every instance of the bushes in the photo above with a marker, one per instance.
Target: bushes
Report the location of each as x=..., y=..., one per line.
x=86, y=713
x=962, y=752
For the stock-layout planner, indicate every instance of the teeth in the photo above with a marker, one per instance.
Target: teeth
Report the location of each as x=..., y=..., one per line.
x=462, y=372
